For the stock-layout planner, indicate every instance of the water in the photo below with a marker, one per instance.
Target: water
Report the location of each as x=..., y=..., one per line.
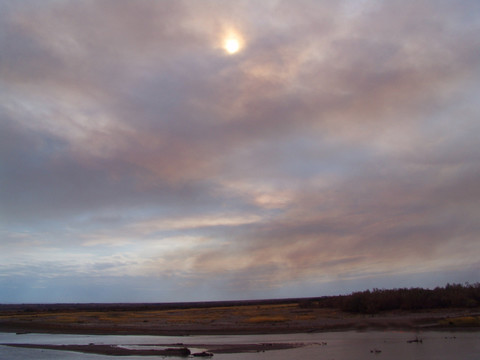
x=346, y=345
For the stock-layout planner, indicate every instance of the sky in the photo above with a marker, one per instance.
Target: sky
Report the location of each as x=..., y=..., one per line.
x=158, y=151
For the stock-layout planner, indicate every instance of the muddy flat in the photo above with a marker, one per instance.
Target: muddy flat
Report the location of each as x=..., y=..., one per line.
x=169, y=350
x=108, y=349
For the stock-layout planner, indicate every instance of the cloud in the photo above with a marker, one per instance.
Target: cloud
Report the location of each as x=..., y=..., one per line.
x=338, y=143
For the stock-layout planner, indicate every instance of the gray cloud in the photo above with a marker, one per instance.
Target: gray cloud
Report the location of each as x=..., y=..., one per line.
x=346, y=131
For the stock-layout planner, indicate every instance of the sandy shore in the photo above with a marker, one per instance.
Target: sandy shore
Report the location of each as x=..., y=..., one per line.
x=403, y=322
x=168, y=350
x=107, y=349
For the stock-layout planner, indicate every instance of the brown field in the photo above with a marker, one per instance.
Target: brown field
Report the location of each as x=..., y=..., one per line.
x=214, y=318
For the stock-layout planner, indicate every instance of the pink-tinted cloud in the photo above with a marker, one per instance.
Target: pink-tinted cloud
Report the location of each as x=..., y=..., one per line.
x=338, y=143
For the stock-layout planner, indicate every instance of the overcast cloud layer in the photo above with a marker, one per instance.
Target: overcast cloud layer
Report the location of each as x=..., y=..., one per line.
x=337, y=150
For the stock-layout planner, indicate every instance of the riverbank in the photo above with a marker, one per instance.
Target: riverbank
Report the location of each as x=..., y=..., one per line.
x=268, y=318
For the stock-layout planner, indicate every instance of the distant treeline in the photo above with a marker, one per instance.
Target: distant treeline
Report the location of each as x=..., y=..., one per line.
x=376, y=300
x=365, y=302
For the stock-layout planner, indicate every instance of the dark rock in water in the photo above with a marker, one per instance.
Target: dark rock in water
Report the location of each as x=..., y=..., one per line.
x=416, y=340
x=203, y=354
x=177, y=351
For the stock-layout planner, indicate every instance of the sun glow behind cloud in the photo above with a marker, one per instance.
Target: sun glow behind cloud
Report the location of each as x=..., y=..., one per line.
x=231, y=45
x=232, y=42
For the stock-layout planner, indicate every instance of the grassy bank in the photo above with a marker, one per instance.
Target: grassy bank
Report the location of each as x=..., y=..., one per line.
x=453, y=307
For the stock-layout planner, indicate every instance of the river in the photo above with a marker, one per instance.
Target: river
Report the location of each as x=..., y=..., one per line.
x=345, y=345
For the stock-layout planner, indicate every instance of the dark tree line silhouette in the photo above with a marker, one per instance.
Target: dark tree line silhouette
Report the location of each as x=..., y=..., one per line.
x=412, y=299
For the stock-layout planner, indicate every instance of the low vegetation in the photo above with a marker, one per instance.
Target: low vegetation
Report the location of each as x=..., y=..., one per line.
x=266, y=319
x=451, y=306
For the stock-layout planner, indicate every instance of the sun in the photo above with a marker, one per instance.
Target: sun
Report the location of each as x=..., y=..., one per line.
x=231, y=40
x=231, y=45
